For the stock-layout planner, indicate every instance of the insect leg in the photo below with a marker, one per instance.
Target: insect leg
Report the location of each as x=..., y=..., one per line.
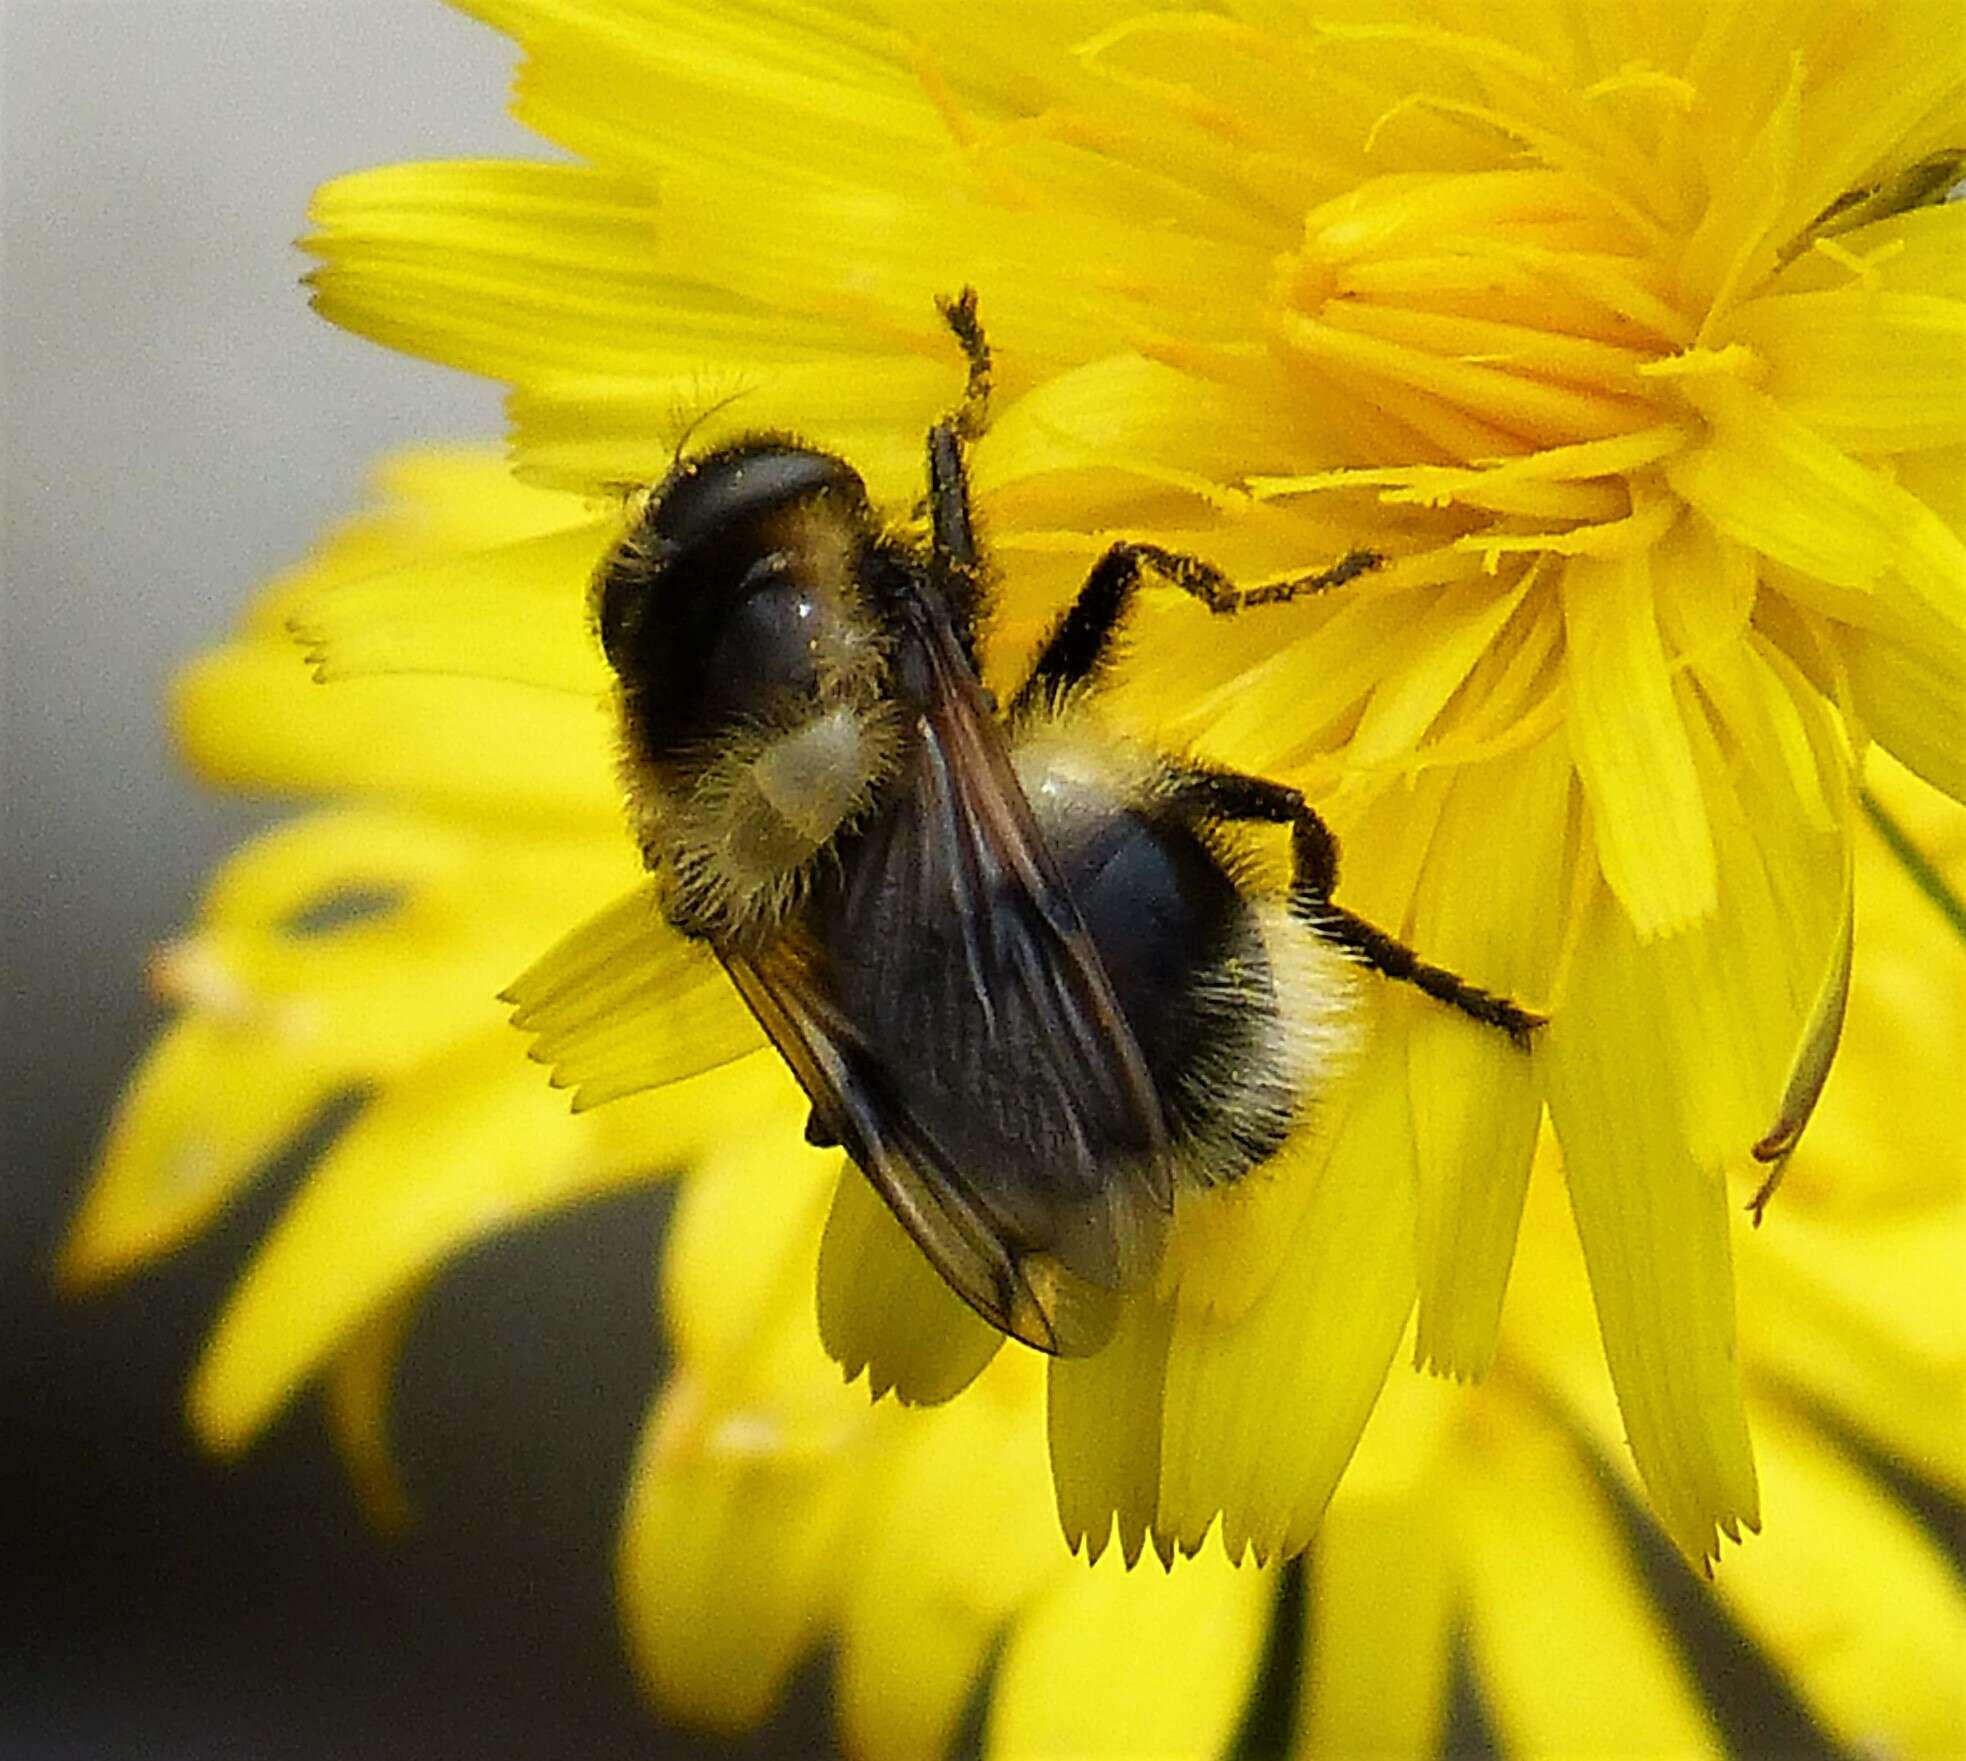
x=952, y=526
x=1230, y=795
x=1081, y=642
x=972, y=415
x=1204, y=581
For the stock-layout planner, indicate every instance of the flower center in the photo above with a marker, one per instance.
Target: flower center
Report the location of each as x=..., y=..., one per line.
x=1479, y=314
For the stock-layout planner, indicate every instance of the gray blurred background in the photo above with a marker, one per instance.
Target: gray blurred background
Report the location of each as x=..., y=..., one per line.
x=177, y=424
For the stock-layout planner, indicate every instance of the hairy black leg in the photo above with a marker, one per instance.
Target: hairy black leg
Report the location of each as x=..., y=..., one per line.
x=1229, y=795
x=952, y=526
x=972, y=415
x=1081, y=642
x=1204, y=581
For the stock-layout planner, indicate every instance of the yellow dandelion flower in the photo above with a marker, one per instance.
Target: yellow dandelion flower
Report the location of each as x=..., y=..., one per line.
x=1624, y=337
x=1496, y=1523
x=772, y=1510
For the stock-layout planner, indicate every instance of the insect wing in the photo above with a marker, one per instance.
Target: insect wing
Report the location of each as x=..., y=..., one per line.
x=977, y=849
x=1024, y=1292
x=989, y=1081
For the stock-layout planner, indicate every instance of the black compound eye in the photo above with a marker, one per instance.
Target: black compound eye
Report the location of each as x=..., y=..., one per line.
x=624, y=588
x=737, y=598
x=767, y=647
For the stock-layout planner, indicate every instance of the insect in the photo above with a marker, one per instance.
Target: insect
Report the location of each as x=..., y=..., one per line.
x=1012, y=960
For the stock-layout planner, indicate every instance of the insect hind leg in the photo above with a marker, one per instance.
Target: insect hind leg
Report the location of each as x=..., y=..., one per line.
x=1230, y=795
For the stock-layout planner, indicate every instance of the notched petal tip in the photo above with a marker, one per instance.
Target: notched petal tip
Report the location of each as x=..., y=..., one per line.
x=624, y=1003
x=885, y=1312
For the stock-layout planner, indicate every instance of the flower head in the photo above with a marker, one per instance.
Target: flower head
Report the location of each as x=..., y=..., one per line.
x=1498, y=1520
x=771, y=1508
x=1617, y=335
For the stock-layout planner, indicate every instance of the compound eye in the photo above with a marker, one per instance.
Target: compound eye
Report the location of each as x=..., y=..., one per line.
x=767, y=649
x=619, y=604
x=628, y=585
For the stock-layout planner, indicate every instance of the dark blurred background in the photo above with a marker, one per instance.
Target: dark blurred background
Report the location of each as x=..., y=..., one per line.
x=177, y=424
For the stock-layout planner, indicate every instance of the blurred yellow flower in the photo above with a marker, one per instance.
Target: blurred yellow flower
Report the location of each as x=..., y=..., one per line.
x=1623, y=332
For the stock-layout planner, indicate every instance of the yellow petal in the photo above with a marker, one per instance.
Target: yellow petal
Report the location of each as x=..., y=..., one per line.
x=1263, y=1410
x=1653, y=1219
x=515, y=612
x=590, y=431
x=357, y=1389
x=210, y=1104
x=1647, y=816
x=1799, y=773
x=1488, y=914
x=1122, y=1664
x=967, y=1536
x=1376, y=1671
x=1875, y=101
x=1751, y=980
x=514, y=269
x=1665, y=1062
x=1911, y=691
x=1738, y=236
x=1770, y=482
x=331, y=950
x=1855, y=1598
x=1868, y=1317
x=1104, y=1423
x=885, y=1310
x=1144, y=420
x=625, y=1003
x=1869, y=370
x=1885, y=1140
x=248, y=715
x=364, y=941
x=728, y=1560
x=1267, y=716
x=753, y=1205
x=424, y=504
x=1907, y=250
x=757, y=1461
x=1383, y=1590
x=1571, y=1657
x=467, y=1144
x=1706, y=587
x=1439, y=650
x=827, y=98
